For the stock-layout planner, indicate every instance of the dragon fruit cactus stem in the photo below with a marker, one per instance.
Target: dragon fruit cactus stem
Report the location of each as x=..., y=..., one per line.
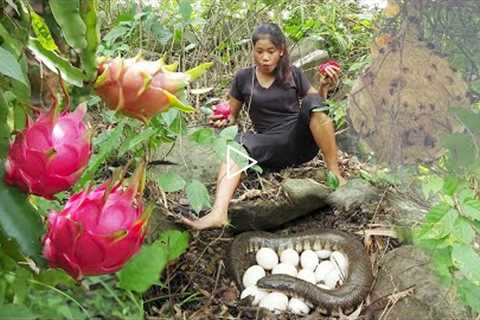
x=99, y=229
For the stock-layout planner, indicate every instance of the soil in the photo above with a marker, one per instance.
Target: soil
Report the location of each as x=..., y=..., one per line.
x=197, y=286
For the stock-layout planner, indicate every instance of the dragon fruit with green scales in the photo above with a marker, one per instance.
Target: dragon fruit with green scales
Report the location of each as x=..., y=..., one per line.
x=98, y=230
x=141, y=89
x=50, y=154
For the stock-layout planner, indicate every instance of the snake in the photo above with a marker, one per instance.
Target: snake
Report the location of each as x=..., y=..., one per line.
x=343, y=299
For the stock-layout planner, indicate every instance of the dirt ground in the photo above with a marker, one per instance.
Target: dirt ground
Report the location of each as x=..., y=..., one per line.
x=197, y=285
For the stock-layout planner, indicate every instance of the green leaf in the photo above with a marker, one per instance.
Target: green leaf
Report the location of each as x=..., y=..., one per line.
x=437, y=212
x=198, y=195
x=467, y=260
x=461, y=152
x=108, y=143
x=432, y=185
x=450, y=185
x=229, y=133
x=144, y=269
x=442, y=261
x=15, y=46
x=174, y=242
x=185, y=8
x=471, y=208
x=16, y=312
x=203, y=136
x=469, y=293
x=332, y=180
x=170, y=115
x=115, y=33
x=21, y=228
x=10, y=67
x=53, y=61
x=171, y=182
x=135, y=140
x=462, y=231
x=238, y=158
x=4, y=129
x=42, y=32
x=88, y=55
x=443, y=227
x=54, y=277
x=67, y=15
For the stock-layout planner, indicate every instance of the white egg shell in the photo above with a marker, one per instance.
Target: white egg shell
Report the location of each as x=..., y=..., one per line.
x=275, y=301
x=323, y=254
x=341, y=261
x=298, y=306
x=266, y=258
x=255, y=292
x=332, y=278
x=290, y=256
x=285, y=268
x=323, y=269
x=309, y=260
x=307, y=275
x=252, y=275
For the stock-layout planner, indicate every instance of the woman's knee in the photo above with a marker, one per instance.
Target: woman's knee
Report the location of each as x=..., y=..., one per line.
x=320, y=118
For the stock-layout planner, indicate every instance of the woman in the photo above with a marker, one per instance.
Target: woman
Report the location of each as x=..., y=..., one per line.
x=288, y=132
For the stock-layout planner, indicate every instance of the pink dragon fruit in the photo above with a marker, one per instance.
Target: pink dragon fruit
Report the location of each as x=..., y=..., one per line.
x=221, y=110
x=322, y=68
x=141, y=89
x=98, y=230
x=49, y=155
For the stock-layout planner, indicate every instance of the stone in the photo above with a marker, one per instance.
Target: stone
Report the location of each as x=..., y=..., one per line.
x=406, y=211
x=192, y=160
x=353, y=194
x=305, y=46
x=408, y=267
x=304, y=196
x=309, y=65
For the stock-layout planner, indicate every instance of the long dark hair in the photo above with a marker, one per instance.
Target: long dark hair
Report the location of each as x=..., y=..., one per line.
x=272, y=32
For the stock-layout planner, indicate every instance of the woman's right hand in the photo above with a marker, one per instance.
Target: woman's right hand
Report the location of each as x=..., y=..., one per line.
x=218, y=121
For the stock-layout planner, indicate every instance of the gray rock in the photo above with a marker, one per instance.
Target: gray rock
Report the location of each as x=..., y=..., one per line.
x=309, y=64
x=405, y=210
x=304, y=196
x=408, y=267
x=355, y=193
x=305, y=46
x=193, y=161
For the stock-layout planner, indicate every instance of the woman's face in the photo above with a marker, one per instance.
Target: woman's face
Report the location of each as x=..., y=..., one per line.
x=266, y=56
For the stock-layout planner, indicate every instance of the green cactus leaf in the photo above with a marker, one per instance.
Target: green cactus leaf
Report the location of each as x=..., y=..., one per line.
x=88, y=55
x=67, y=15
x=21, y=228
x=53, y=62
x=4, y=129
x=196, y=72
x=42, y=32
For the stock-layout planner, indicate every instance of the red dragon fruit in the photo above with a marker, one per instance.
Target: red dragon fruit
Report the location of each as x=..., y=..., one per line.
x=49, y=155
x=98, y=230
x=221, y=110
x=330, y=63
x=141, y=89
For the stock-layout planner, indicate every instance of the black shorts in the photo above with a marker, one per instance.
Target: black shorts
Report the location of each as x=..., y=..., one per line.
x=288, y=144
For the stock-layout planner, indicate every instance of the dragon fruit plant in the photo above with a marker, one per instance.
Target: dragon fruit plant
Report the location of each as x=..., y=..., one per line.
x=49, y=155
x=141, y=89
x=99, y=229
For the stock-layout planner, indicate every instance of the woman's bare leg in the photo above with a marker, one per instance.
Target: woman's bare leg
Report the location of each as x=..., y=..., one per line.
x=323, y=133
x=226, y=187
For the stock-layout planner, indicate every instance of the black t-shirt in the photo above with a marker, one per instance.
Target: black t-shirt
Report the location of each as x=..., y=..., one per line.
x=273, y=106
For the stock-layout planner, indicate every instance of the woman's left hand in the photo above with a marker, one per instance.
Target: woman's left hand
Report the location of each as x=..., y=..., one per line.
x=329, y=80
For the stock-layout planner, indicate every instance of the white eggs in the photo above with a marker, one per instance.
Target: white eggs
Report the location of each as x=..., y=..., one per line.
x=324, y=268
x=275, y=301
x=298, y=306
x=252, y=275
x=308, y=260
x=266, y=258
x=323, y=254
x=285, y=268
x=307, y=275
x=290, y=256
x=341, y=262
x=257, y=294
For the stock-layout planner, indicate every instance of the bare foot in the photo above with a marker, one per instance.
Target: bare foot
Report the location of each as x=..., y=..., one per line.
x=210, y=221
